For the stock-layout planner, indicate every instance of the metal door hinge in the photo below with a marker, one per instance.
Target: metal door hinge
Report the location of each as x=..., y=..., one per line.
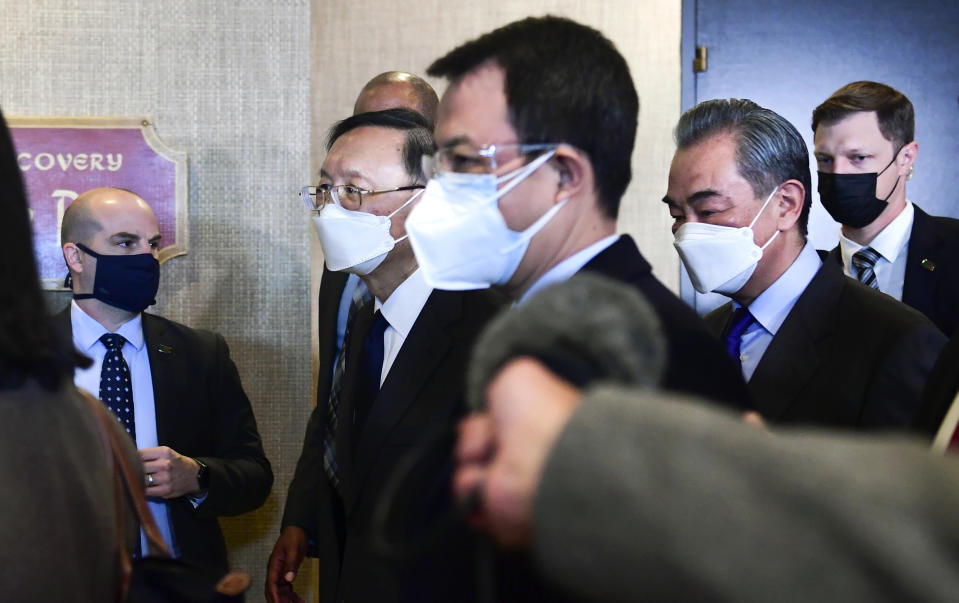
x=701, y=62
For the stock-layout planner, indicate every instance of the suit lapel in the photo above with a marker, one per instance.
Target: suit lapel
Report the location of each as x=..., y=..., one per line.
x=794, y=355
x=718, y=319
x=164, y=359
x=425, y=347
x=328, y=309
x=344, y=431
x=919, y=286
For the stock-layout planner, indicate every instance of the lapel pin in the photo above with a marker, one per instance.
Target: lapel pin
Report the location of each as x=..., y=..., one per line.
x=164, y=349
x=928, y=264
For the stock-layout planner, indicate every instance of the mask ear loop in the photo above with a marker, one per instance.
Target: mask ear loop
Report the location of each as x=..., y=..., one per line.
x=397, y=210
x=759, y=213
x=520, y=174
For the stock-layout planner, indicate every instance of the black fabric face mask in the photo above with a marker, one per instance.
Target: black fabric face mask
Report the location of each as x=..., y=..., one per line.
x=851, y=198
x=128, y=282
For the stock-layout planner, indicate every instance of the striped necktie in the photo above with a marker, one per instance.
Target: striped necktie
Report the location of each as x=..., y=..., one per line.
x=864, y=261
x=361, y=297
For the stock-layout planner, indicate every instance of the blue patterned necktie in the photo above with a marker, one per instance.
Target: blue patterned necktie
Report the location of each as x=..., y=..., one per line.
x=864, y=261
x=371, y=370
x=361, y=296
x=116, y=389
x=740, y=321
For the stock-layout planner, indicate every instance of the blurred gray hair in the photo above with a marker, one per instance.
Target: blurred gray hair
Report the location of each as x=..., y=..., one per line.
x=769, y=149
x=595, y=324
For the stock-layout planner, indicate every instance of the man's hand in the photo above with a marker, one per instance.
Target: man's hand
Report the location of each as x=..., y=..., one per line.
x=288, y=553
x=501, y=452
x=168, y=473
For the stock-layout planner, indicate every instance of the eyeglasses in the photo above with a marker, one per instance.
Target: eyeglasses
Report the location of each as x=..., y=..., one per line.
x=346, y=196
x=466, y=159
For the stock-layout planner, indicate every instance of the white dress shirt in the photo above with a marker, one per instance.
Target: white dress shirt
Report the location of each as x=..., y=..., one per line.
x=892, y=245
x=772, y=307
x=86, y=338
x=401, y=310
x=568, y=267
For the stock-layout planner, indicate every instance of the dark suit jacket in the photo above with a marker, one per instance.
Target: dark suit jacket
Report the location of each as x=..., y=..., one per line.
x=422, y=395
x=932, y=269
x=698, y=362
x=203, y=412
x=846, y=355
x=331, y=291
x=941, y=388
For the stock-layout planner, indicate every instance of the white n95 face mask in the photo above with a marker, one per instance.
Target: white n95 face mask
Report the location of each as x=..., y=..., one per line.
x=458, y=234
x=720, y=258
x=355, y=241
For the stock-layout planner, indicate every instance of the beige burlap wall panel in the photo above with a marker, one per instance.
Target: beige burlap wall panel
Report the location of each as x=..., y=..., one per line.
x=227, y=82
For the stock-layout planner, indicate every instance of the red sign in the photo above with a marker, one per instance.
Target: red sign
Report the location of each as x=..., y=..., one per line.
x=60, y=158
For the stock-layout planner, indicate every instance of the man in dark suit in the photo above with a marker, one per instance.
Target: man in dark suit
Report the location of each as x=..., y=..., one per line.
x=535, y=135
x=398, y=384
x=388, y=90
x=814, y=345
x=181, y=398
x=865, y=152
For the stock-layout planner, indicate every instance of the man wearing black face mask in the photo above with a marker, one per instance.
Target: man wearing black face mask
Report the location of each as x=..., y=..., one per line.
x=865, y=151
x=173, y=388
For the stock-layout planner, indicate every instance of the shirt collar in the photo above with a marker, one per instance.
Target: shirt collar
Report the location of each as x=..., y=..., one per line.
x=774, y=304
x=405, y=303
x=889, y=243
x=568, y=267
x=87, y=331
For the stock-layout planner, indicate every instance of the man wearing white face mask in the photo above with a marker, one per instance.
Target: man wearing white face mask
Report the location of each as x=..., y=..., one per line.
x=535, y=135
x=399, y=382
x=815, y=346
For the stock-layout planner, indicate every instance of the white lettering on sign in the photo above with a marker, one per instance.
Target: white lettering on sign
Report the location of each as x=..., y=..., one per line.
x=80, y=162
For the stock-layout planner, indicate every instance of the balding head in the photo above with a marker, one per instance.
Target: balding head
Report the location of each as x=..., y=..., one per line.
x=81, y=221
x=398, y=90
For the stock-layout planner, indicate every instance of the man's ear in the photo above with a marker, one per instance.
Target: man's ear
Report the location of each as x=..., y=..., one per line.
x=574, y=171
x=71, y=255
x=906, y=157
x=791, y=197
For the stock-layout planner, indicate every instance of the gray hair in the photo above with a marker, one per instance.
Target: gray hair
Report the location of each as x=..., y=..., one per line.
x=769, y=149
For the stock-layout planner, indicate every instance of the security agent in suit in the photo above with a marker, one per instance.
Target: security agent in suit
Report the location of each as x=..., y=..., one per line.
x=369, y=181
x=194, y=426
x=528, y=179
x=865, y=152
x=815, y=346
x=388, y=90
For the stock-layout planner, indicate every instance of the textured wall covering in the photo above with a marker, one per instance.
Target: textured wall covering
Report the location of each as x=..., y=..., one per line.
x=356, y=39
x=227, y=82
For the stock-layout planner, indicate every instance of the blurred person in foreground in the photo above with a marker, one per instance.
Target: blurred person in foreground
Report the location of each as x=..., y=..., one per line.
x=624, y=492
x=58, y=527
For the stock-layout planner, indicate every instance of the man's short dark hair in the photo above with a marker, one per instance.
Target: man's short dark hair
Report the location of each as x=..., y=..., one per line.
x=565, y=83
x=897, y=120
x=769, y=149
x=419, y=135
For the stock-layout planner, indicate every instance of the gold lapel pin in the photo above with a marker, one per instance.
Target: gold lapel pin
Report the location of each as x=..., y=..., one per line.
x=928, y=264
x=164, y=349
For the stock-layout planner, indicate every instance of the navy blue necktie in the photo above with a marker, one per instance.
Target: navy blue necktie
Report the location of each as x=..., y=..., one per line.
x=740, y=321
x=116, y=389
x=371, y=368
